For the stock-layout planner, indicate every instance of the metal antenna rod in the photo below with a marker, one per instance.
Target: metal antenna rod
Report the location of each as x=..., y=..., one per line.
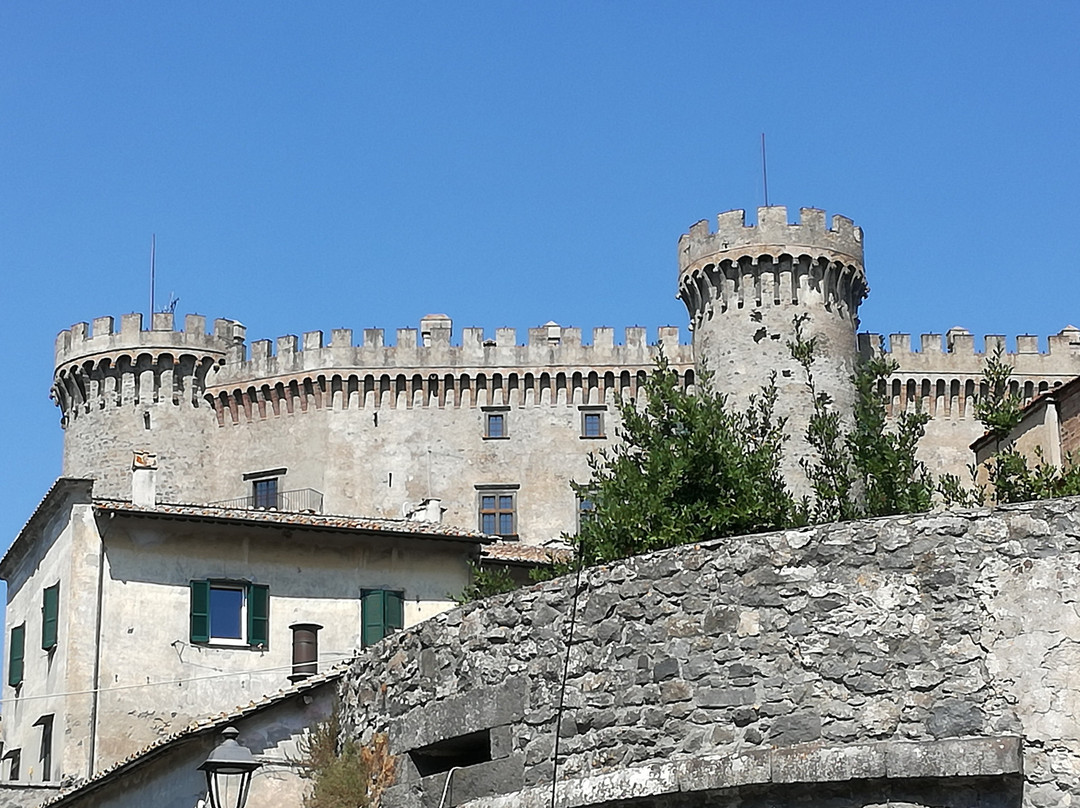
x=153, y=249
x=764, y=171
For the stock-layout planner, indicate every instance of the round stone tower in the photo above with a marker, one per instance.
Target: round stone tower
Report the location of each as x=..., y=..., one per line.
x=745, y=285
x=131, y=390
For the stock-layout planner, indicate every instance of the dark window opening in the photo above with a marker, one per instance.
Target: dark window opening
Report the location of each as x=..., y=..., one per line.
x=442, y=756
x=264, y=493
x=45, y=757
x=14, y=756
x=496, y=425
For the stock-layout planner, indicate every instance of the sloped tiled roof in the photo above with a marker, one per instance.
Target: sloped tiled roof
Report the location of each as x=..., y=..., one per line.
x=401, y=527
x=514, y=553
x=200, y=727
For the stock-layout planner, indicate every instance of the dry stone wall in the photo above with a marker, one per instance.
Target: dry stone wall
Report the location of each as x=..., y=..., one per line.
x=937, y=650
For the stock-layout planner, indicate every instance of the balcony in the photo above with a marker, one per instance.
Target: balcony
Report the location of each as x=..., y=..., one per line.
x=302, y=500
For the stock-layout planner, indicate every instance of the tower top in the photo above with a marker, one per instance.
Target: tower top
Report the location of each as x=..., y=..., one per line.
x=772, y=235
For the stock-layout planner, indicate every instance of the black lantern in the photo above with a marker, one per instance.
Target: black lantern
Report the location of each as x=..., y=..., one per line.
x=228, y=772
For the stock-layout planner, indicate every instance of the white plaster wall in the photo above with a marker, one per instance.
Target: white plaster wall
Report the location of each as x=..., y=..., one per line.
x=68, y=668
x=174, y=781
x=154, y=681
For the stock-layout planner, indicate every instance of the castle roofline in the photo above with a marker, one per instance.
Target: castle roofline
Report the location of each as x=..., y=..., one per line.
x=405, y=528
x=64, y=491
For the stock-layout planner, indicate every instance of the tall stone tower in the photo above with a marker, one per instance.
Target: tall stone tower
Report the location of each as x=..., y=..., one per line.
x=743, y=287
x=132, y=390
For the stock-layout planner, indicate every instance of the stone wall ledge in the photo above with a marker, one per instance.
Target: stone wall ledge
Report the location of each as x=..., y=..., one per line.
x=807, y=763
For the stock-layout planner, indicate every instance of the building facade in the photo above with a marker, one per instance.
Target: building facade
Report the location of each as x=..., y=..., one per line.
x=347, y=483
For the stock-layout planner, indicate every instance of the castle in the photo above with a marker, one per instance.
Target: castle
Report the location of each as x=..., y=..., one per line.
x=347, y=486
x=484, y=433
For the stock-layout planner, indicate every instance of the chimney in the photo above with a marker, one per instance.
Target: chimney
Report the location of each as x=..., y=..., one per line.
x=305, y=650
x=144, y=479
x=431, y=511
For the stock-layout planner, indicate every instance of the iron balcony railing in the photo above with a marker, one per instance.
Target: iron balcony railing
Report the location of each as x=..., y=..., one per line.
x=302, y=500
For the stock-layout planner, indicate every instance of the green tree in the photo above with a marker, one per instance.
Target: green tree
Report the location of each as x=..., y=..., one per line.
x=688, y=467
x=869, y=469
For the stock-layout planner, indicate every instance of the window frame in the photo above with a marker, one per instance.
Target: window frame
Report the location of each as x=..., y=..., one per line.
x=588, y=411
x=502, y=415
x=584, y=513
x=45, y=751
x=498, y=493
x=50, y=616
x=382, y=612
x=16, y=655
x=268, y=499
x=254, y=616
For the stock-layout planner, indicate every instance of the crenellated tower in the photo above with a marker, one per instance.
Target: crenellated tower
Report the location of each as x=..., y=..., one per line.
x=743, y=287
x=129, y=389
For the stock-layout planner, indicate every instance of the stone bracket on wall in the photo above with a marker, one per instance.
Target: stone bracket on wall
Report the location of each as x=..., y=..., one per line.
x=807, y=763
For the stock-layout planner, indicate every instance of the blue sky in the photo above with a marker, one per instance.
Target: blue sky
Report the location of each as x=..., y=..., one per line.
x=321, y=165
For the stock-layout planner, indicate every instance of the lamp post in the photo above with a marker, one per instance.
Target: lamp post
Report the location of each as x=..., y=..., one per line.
x=228, y=772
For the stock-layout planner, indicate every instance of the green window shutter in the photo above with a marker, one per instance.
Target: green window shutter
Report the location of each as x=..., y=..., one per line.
x=394, y=610
x=258, y=609
x=373, y=626
x=200, y=611
x=50, y=612
x=17, y=648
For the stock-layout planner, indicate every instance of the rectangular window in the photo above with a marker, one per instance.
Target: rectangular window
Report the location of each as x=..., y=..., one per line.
x=497, y=514
x=16, y=651
x=14, y=757
x=264, y=493
x=586, y=509
x=50, y=612
x=230, y=613
x=496, y=422
x=382, y=613
x=592, y=422
x=45, y=755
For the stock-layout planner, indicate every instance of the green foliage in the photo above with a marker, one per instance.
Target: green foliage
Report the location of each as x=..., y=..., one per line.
x=1010, y=475
x=1000, y=409
x=487, y=581
x=889, y=476
x=869, y=469
x=346, y=775
x=688, y=467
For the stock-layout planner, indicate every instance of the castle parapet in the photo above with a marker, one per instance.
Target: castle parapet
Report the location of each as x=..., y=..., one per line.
x=99, y=365
x=549, y=345
x=82, y=342
x=733, y=236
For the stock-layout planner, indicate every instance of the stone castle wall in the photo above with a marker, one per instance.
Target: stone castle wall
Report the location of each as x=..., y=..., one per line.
x=922, y=659
x=379, y=428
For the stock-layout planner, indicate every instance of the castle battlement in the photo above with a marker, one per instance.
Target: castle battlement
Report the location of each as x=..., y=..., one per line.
x=772, y=235
x=960, y=343
x=83, y=342
x=430, y=348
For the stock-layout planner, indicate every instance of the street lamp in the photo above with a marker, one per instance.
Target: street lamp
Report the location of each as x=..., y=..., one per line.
x=228, y=772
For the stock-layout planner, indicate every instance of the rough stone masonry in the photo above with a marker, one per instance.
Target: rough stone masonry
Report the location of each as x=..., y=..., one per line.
x=923, y=659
